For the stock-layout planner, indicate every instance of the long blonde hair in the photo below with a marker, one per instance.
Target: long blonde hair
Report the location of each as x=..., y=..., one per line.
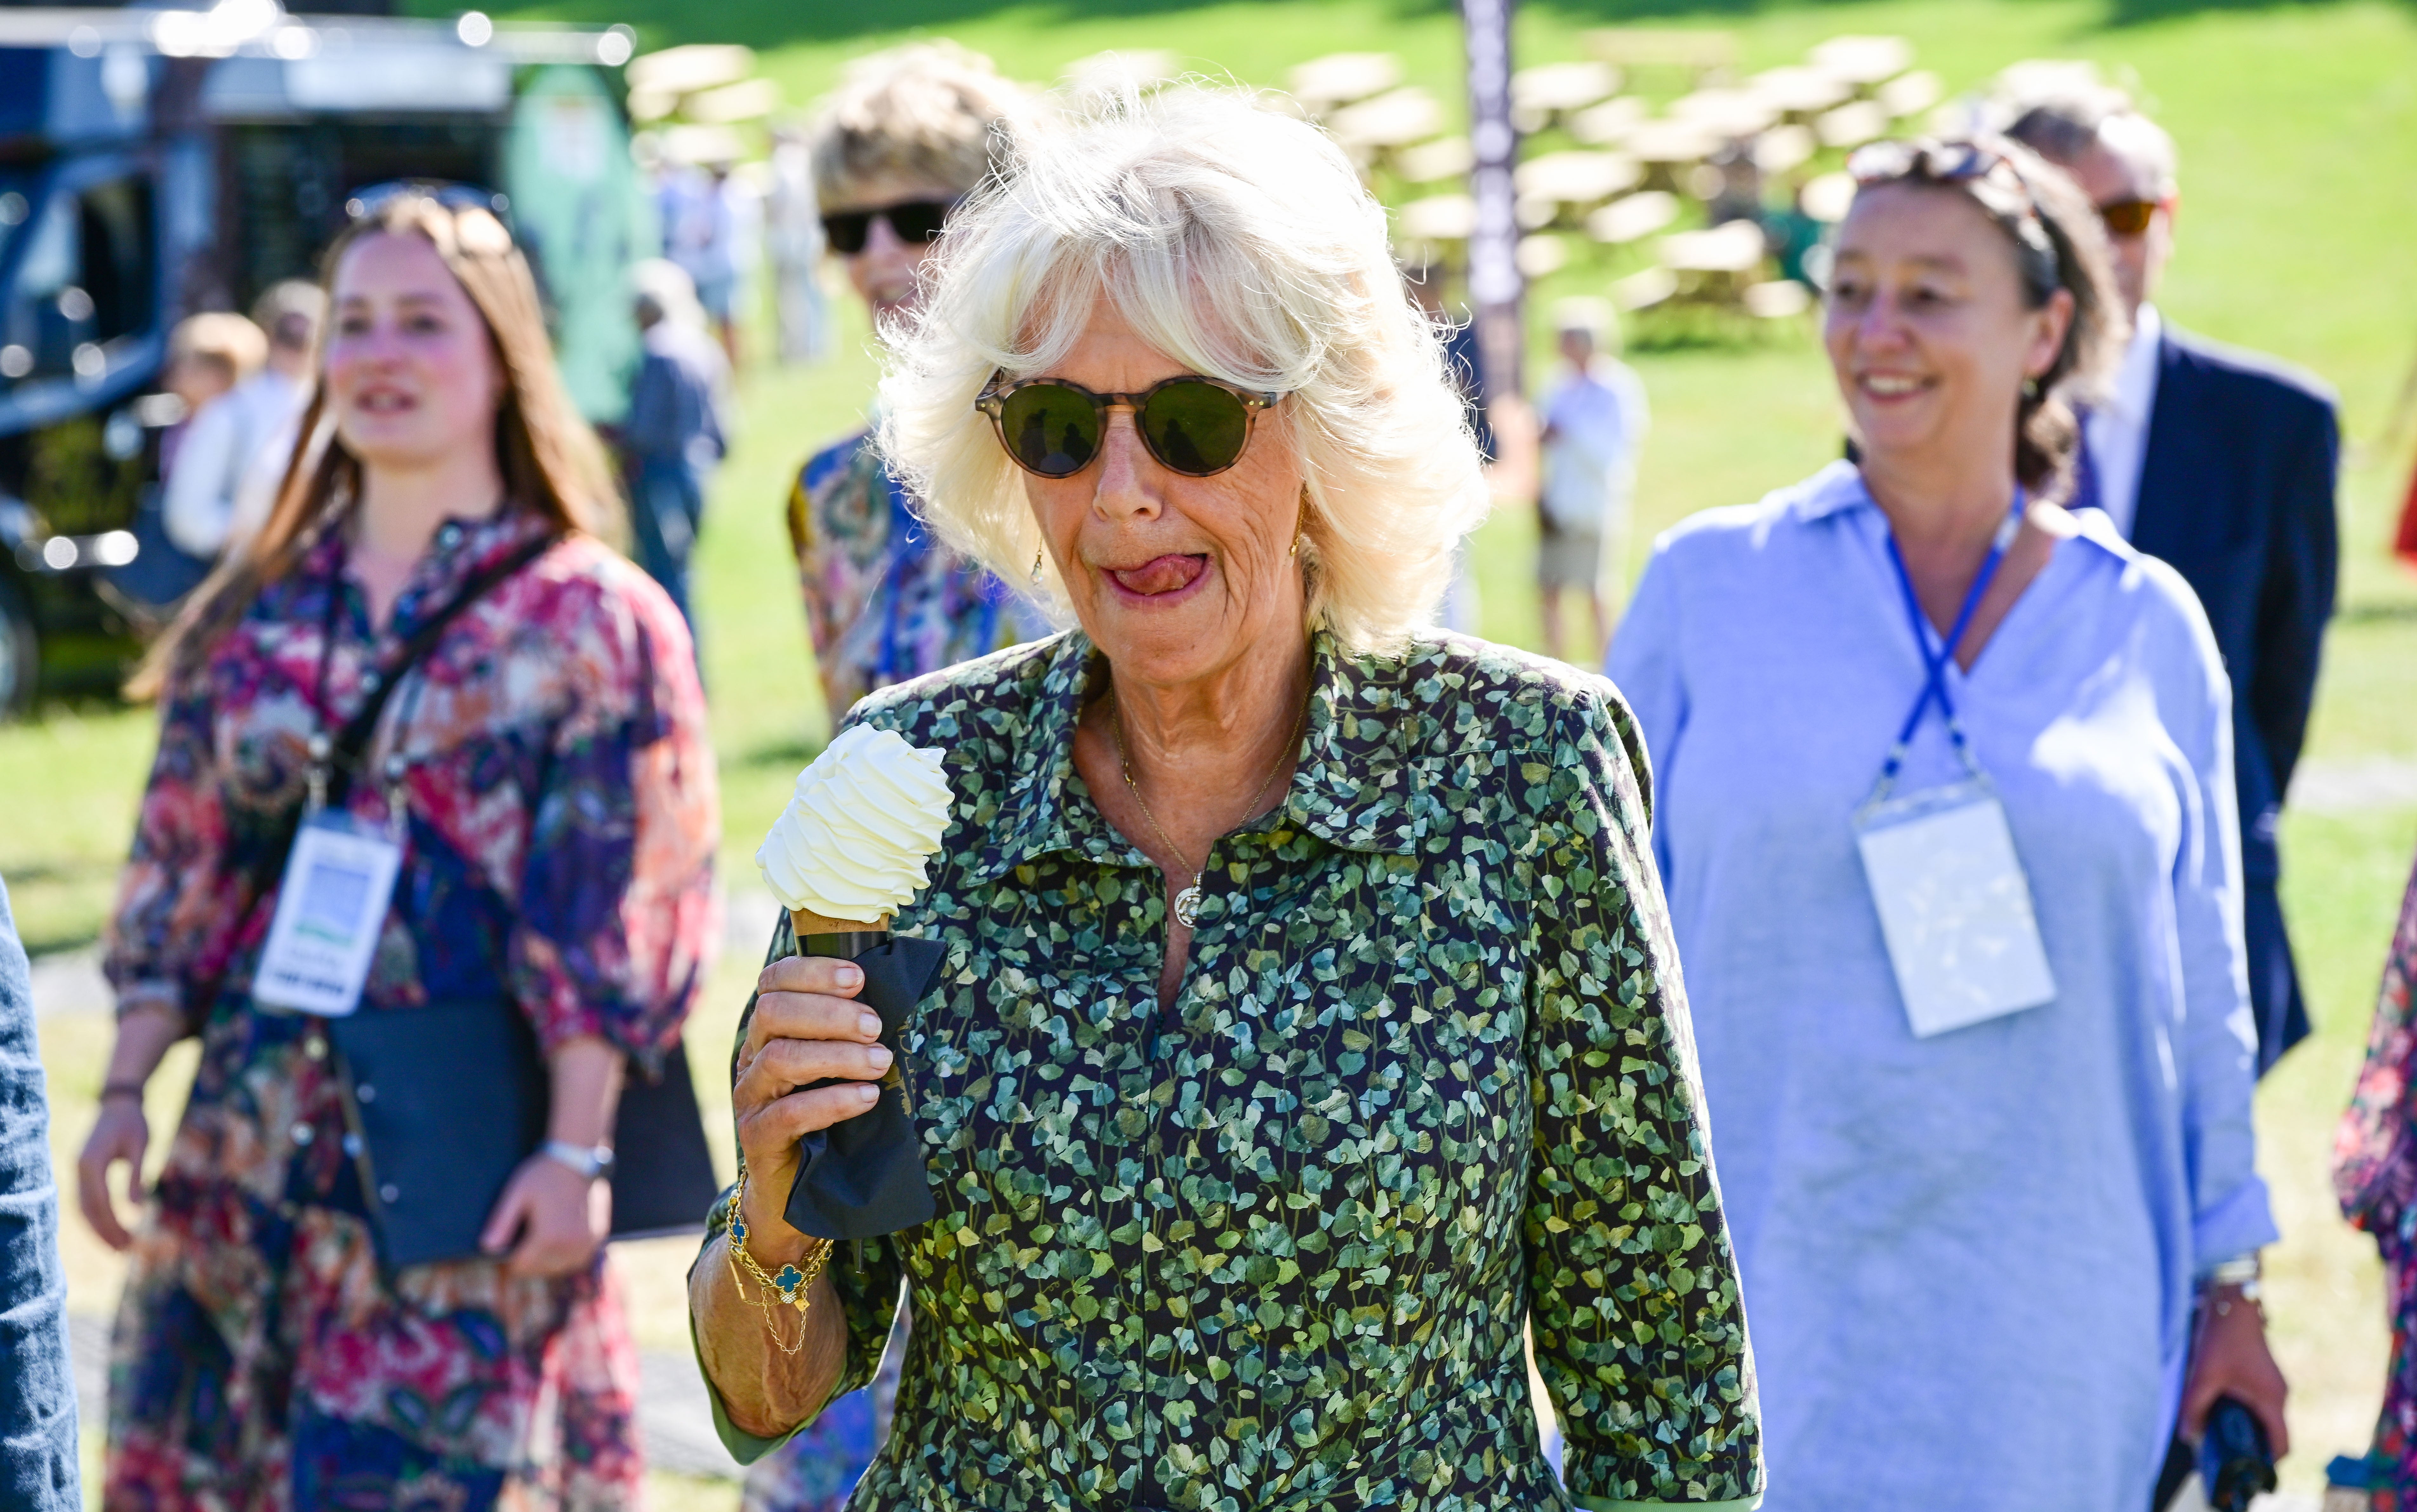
x=551, y=460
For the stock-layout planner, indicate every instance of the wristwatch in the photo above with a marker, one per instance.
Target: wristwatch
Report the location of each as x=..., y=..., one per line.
x=2243, y=1274
x=589, y=1161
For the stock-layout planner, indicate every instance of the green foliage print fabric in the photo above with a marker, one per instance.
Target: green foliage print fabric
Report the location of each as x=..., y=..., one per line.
x=1430, y=1074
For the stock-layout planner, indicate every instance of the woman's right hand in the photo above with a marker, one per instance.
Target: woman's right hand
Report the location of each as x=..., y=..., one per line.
x=121, y=1132
x=806, y=1028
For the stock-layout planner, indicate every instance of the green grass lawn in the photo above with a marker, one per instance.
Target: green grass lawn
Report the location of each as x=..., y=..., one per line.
x=2297, y=127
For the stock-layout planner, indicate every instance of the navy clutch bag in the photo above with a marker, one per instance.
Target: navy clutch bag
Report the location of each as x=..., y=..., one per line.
x=446, y=1100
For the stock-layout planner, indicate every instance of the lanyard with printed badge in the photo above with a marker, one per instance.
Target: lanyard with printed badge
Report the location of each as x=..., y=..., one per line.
x=339, y=872
x=1953, y=903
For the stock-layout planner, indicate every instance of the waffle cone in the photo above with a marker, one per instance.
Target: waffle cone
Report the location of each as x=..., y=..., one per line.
x=814, y=923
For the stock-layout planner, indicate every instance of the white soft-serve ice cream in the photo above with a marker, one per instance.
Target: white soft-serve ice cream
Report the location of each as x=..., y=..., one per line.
x=850, y=848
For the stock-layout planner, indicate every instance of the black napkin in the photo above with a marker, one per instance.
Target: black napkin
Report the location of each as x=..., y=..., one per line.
x=864, y=1177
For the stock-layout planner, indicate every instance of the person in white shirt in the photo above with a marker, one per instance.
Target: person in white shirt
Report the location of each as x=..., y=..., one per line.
x=1594, y=422
x=793, y=226
x=232, y=456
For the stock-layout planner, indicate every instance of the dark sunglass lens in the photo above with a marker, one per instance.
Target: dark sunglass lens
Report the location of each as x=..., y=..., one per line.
x=1050, y=429
x=2128, y=217
x=1195, y=427
x=919, y=221
x=845, y=231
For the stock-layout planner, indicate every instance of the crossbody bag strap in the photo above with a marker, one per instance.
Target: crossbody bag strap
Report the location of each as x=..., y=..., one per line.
x=353, y=741
x=345, y=751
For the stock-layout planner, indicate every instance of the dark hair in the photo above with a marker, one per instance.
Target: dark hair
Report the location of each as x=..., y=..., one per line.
x=550, y=462
x=2058, y=242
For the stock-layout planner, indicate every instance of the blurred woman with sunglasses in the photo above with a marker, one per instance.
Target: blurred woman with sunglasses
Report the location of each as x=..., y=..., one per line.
x=543, y=771
x=1948, y=827
x=1310, y=1025
x=911, y=132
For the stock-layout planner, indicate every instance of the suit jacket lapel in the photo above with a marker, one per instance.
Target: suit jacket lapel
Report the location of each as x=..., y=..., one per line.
x=2168, y=469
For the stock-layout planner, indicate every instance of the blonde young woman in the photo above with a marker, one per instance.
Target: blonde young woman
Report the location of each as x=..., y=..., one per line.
x=545, y=774
x=1309, y=1023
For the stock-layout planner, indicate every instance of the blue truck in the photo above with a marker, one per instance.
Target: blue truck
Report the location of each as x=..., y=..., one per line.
x=156, y=163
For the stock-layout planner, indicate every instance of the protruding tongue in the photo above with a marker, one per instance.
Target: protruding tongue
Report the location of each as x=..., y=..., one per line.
x=1163, y=575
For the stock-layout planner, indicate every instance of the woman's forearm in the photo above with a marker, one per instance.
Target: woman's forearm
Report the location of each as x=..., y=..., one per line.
x=144, y=1032
x=585, y=1073
x=765, y=1389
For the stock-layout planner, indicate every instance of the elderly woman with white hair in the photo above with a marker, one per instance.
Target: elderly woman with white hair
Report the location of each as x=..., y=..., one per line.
x=1309, y=1029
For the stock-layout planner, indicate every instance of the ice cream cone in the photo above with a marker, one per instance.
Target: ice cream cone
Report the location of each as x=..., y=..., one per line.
x=808, y=924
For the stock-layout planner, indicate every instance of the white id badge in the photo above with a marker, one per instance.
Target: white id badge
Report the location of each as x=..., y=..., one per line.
x=1955, y=907
x=332, y=907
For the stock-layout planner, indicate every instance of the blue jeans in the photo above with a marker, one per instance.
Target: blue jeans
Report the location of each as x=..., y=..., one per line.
x=38, y=1406
x=666, y=507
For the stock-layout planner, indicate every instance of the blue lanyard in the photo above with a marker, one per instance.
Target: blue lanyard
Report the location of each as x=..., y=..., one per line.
x=1934, y=683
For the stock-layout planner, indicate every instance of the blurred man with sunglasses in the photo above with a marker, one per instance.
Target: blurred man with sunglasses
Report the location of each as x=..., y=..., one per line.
x=2222, y=463
x=908, y=133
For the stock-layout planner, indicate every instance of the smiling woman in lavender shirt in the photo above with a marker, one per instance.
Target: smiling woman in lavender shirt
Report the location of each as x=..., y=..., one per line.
x=1975, y=1257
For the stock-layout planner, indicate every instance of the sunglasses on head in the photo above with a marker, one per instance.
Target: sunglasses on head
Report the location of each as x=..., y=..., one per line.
x=2128, y=217
x=1952, y=162
x=364, y=204
x=915, y=221
x=1193, y=425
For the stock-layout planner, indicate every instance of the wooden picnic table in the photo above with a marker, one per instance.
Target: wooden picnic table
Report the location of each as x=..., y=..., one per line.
x=1666, y=143
x=1733, y=113
x=1910, y=93
x=1578, y=180
x=1798, y=91
x=1608, y=124
x=1633, y=217
x=1398, y=119
x=1437, y=217
x=1862, y=61
x=1432, y=162
x=1852, y=124
x=1344, y=78
x=1555, y=90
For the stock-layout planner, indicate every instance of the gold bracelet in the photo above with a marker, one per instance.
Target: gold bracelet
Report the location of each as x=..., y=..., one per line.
x=794, y=1284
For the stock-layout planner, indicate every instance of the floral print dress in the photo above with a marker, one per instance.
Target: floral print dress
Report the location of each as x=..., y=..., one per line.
x=2375, y=1174
x=885, y=600
x=1429, y=1078
x=549, y=765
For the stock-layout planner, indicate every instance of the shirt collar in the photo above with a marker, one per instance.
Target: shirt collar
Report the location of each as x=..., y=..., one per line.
x=459, y=549
x=1836, y=487
x=2132, y=391
x=1350, y=789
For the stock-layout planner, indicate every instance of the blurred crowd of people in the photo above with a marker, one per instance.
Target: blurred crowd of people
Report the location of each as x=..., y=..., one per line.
x=1998, y=1227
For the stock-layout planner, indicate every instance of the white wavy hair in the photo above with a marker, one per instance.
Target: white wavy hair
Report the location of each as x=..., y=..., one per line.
x=1239, y=243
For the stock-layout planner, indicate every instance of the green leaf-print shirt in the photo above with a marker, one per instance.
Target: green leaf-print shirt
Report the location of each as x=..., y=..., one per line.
x=1430, y=1072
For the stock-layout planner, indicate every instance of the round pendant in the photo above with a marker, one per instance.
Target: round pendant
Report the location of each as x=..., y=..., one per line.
x=1187, y=906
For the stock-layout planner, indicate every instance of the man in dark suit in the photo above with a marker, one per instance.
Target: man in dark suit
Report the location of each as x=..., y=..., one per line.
x=2222, y=463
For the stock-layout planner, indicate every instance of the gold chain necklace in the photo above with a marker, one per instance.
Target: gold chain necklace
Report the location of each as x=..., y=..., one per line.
x=1187, y=899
